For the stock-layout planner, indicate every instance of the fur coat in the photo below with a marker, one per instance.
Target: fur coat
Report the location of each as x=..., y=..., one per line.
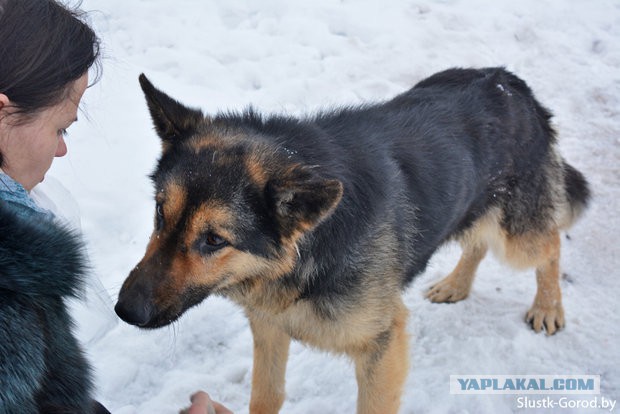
x=42, y=368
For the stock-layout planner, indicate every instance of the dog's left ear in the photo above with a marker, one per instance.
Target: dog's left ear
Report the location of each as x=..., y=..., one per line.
x=301, y=199
x=173, y=121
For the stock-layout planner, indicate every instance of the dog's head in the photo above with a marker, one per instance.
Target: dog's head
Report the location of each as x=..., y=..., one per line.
x=229, y=211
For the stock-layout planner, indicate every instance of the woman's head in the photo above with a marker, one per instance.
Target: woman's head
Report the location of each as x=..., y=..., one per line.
x=46, y=51
x=28, y=148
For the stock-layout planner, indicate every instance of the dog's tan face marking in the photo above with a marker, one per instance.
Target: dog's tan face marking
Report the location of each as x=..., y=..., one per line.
x=172, y=201
x=228, y=265
x=212, y=217
x=217, y=270
x=255, y=168
x=204, y=142
x=253, y=161
x=210, y=224
x=216, y=142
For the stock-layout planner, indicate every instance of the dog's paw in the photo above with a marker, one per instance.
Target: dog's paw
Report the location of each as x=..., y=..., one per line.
x=447, y=290
x=551, y=318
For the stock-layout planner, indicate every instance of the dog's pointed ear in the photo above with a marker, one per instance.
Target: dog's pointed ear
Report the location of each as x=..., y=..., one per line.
x=173, y=121
x=300, y=199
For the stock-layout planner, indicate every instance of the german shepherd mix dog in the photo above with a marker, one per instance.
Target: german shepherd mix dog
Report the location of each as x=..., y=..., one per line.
x=315, y=225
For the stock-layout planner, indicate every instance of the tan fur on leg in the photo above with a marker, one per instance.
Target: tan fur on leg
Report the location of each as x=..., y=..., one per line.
x=271, y=347
x=381, y=369
x=547, y=310
x=456, y=285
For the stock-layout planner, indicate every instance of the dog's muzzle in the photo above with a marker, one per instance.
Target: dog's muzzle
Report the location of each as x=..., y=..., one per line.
x=134, y=310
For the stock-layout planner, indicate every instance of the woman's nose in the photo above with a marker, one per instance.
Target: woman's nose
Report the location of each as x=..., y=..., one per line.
x=61, y=149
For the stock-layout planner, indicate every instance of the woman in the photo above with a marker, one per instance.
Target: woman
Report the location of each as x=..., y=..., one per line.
x=46, y=52
x=45, y=55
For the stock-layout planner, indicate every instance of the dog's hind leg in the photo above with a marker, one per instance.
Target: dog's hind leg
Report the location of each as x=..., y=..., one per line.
x=381, y=368
x=456, y=285
x=271, y=346
x=543, y=252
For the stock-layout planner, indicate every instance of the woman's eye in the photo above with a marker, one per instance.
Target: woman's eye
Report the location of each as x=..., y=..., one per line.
x=62, y=132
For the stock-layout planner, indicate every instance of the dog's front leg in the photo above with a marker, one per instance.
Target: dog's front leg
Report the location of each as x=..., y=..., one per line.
x=271, y=347
x=381, y=368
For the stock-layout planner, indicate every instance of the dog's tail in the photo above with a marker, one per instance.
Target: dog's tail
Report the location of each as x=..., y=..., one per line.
x=577, y=192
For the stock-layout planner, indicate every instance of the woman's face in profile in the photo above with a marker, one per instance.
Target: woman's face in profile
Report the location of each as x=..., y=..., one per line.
x=28, y=148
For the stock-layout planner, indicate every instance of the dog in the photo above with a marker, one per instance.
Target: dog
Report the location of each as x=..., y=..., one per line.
x=315, y=225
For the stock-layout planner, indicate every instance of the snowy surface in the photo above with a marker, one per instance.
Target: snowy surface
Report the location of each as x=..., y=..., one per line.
x=293, y=57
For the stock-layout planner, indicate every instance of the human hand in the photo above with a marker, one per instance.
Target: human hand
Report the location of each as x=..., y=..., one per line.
x=203, y=404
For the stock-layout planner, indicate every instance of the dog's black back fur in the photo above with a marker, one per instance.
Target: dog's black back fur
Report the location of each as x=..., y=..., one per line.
x=424, y=166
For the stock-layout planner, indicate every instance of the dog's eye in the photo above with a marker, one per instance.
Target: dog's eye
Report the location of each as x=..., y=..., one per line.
x=159, y=218
x=210, y=243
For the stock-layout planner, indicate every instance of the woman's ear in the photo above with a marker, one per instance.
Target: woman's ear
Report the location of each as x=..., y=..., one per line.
x=4, y=101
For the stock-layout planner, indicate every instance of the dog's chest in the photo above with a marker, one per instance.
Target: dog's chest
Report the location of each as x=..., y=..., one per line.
x=338, y=333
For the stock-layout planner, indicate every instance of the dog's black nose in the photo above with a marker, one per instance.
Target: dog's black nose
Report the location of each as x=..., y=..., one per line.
x=135, y=312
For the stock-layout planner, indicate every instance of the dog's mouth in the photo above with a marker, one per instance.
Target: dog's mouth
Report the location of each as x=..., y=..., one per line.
x=161, y=318
x=144, y=313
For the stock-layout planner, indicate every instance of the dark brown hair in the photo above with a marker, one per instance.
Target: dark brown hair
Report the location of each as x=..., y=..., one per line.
x=44, y=47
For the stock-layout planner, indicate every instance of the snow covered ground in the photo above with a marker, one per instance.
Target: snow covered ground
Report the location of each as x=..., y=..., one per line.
x=293, y=57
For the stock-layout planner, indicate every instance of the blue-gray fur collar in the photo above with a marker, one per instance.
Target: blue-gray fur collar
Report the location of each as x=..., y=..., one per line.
x=38, y=257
